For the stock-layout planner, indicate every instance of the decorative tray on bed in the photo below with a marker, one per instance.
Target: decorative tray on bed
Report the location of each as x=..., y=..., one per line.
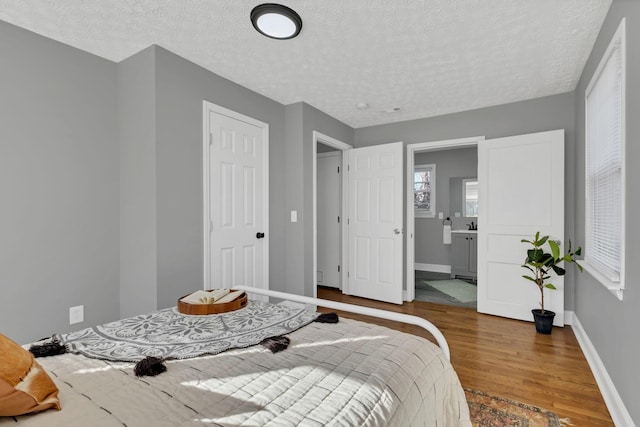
x=212, y=301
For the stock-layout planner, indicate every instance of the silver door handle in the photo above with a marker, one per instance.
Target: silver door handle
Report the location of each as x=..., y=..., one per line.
x=397, y=231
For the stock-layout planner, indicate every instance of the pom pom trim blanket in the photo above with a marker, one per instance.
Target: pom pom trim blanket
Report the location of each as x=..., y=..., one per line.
x=169, y=334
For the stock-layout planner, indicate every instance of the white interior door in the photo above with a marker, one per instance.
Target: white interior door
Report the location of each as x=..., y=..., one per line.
x=238, y=192
x=375, y=222
x=521, y=191
x=329, y=210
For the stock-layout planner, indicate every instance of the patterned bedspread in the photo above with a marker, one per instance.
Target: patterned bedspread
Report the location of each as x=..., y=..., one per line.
x=169, y=334
x=346, y=374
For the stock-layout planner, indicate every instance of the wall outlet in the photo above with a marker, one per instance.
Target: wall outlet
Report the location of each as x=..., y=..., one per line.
x=76, y=314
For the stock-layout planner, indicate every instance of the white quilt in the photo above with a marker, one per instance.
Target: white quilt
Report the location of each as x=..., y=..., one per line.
x=346, y=374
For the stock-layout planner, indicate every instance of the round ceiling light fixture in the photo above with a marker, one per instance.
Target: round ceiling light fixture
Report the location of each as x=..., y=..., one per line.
x=276, y=21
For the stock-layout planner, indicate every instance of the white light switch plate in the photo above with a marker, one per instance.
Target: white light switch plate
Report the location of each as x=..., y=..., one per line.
x=76, y=314
x=294, y=216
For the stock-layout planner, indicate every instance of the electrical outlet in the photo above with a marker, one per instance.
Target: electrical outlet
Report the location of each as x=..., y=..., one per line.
x=76, y=314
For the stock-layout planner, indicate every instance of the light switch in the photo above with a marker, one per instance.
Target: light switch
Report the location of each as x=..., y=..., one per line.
x=440, y=215
x=294, y=216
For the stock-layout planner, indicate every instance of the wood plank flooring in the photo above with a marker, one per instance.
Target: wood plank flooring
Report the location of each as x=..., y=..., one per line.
x=505, y=357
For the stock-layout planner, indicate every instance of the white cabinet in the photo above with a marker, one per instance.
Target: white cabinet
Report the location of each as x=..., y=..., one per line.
x=464, y=254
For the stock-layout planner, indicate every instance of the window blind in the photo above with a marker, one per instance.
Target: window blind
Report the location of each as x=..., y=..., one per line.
x=604, y=161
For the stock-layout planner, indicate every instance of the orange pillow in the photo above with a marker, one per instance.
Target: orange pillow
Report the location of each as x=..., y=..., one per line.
x=24, y=386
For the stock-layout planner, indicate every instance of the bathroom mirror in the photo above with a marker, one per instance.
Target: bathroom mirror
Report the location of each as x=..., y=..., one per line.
x=463, y=196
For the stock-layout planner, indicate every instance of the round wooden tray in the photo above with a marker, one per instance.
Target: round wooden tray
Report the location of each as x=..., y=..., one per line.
x=200, y=309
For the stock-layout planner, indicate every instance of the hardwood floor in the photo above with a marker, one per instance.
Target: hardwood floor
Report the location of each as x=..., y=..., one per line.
x=505, y=357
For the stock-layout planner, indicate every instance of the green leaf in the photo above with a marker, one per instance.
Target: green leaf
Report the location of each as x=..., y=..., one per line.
x=543, y=240
x=535, y=255
x=529, y=268
x=555, y=249
x=558, y=270
x=547, y=260
x=578, y=251
x=530, y=278
x=550, y=286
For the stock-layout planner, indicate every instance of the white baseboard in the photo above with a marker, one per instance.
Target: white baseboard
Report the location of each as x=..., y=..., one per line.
x=618, y=411
x=568, y=317
x=436, y=268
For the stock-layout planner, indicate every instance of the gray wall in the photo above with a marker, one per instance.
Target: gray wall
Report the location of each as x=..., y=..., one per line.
x=536, y=115
x=612, y=325
x=181, y=86
x=59, y=184
x=137, y=124
x=462, y=162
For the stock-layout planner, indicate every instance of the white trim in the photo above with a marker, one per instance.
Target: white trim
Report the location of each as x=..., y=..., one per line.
x=410, y=225
x=367, y=311
x=343, y=147
x=436, y=268
x=568, y=317
x=208, y=107
x=618, y=411
x=621, y=35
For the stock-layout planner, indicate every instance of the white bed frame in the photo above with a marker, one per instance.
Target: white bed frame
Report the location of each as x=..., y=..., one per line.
x=367, y=311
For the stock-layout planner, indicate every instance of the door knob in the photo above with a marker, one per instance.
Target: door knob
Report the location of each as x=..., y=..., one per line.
x=397, y=231
x=259, y=235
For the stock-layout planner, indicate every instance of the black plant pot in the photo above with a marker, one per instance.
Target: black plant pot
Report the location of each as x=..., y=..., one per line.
x=544, y=322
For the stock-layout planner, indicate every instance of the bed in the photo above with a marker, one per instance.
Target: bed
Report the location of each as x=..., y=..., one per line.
x=350, y=373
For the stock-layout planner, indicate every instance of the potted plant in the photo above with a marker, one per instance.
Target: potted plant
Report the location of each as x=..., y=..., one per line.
x=540, y=264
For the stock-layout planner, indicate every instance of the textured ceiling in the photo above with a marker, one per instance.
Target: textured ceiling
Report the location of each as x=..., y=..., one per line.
x=428, y=57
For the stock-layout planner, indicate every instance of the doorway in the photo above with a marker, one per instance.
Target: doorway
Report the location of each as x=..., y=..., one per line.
x=324, y=143
x=329, y=213
x=429, y=243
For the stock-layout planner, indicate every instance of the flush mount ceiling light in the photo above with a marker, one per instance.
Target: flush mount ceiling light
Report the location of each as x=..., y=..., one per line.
x=276, y=21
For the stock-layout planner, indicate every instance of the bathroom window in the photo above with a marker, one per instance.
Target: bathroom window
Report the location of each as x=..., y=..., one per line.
x=424, y=191
x=470, y=197
x=604, y=169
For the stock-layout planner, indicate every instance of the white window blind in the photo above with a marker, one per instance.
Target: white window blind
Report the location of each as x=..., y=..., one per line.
x=604, y=210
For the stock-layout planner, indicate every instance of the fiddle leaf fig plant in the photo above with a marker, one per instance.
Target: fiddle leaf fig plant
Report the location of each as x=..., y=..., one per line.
x=540, y=263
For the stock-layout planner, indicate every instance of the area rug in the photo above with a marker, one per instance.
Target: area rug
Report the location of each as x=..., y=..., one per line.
x=456, y=288
x=491, y=411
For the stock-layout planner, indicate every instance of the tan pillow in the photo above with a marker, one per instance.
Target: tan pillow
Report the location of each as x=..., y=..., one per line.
x=24, y=386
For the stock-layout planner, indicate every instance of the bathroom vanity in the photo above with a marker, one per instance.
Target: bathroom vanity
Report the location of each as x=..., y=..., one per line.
x=464, y=253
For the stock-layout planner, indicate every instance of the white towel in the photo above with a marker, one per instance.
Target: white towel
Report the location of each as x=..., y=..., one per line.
x=446, y=235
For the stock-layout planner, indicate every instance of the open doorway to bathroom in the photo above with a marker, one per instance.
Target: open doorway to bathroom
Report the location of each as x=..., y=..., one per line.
x=445, y=196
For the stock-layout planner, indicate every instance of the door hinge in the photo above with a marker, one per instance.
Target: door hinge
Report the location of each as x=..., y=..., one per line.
x=338, y=220
x=338, y=269
x=210, y=226
x=210, y=139
x=338, y=169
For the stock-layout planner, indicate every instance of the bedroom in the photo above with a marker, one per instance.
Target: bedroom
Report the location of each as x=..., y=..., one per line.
x=126, y=219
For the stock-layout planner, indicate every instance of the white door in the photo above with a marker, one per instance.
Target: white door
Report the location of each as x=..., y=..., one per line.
x=237, y=181
x=521, y=191
x=375, y=222
x=329, y=208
